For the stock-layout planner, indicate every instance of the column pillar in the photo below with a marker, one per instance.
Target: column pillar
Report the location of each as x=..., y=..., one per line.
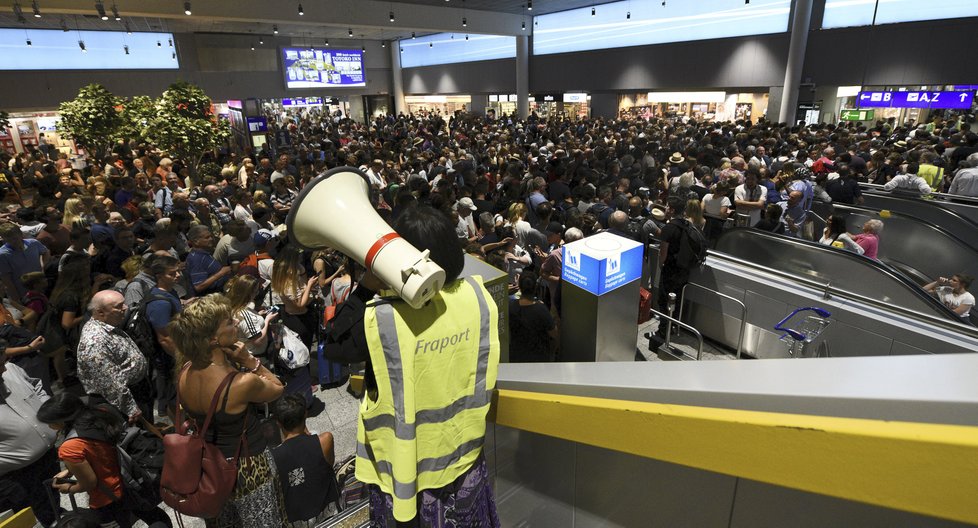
x=397, y=90
x=523, y=76
x=800, y=23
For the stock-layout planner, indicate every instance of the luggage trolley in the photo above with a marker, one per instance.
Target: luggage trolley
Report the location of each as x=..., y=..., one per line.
x=802, y=340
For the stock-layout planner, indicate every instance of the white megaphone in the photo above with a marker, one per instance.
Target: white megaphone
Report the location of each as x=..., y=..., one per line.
x=334, y=210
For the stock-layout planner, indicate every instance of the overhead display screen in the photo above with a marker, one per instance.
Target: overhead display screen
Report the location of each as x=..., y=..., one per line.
x=322, y=68
x=448, y=48
x=53, y=49
x=849, y=13
x=627, y=23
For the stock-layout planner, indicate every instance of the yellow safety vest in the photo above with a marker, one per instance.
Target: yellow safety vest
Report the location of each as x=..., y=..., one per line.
x=436, y=369
x=932, y=174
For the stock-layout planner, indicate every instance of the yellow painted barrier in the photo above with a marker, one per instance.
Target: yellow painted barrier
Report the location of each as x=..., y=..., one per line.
x=22, y=519
x=928, y=469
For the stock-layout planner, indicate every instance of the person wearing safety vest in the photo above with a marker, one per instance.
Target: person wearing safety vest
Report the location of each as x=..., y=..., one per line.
x=429, y=379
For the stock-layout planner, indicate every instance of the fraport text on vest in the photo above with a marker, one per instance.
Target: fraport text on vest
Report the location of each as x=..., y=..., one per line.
x=436, y=345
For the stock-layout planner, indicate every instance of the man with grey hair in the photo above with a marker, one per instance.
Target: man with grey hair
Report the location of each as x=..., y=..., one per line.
x=206, y=274
x=552, y=267
x=965, y=182
x=110, y=364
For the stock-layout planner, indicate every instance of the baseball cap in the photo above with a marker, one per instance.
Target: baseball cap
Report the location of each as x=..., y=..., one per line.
x=467, y=202
x=262, y=237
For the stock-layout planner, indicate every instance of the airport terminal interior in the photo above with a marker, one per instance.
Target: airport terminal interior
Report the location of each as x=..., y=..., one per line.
x=488, y=263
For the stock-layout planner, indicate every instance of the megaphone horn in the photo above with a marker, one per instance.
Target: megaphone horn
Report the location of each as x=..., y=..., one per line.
x=334, y=211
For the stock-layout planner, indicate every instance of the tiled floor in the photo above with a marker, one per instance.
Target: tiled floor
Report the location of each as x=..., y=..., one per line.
x=340, y=415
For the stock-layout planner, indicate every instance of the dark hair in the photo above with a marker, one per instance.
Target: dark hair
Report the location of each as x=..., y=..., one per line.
x=528, y=284
x=837, y=224
x=677, y=204
x=427, y=228
x=161, y=264
x=965, y=279
x=69, y=409
x=290, y=411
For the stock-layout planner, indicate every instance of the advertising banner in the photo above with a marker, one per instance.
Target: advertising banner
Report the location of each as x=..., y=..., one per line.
x=322, y=68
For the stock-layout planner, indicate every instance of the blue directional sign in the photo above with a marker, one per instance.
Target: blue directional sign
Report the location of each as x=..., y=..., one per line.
x=601, y=263
x=919, y=99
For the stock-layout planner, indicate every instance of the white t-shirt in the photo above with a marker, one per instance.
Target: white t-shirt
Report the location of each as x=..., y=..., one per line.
x=954, y=301
x=713, y=205
x=758, y=193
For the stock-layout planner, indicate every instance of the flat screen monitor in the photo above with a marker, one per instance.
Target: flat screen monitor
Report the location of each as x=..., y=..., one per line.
x=322, y=68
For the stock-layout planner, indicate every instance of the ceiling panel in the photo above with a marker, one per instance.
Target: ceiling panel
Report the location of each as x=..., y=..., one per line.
x=516, y=7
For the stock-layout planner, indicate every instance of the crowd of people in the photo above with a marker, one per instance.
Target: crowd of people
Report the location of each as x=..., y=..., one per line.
x=143, y=280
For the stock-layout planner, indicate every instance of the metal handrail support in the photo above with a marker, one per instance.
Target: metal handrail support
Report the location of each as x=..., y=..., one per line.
x=699, y=336
x=743, y=307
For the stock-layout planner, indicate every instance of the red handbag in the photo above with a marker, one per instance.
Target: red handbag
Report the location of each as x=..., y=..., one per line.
x=197, y=479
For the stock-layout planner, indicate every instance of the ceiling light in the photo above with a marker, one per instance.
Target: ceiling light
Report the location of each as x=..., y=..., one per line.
x=523, y=26
x=628, y=15
x=392, y=17
x=128, y=30
x=592, y=11
x=431, y=45
x=29, y=43
x=326, y=42
x=158, y=44
x=173, y=56
x=186, y=9
x=261, y=40
x=383, y=44
x=275, y=29
x=363, y=49
x=115, y=13
x=100, y=9
x=412, y=36
x=349, y=32
x=301, y=11
x=81, y=44
x=663, y=3
x=464, y=22
x=37, y=10
x=171, y=42
x=126, y=49
x=466, y=38
x=252, y=47
x=64, y=25
x=529, y=5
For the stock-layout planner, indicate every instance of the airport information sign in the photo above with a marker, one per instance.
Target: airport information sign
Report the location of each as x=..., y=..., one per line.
x=857, y=115
x=924, y=99
x=601, y=263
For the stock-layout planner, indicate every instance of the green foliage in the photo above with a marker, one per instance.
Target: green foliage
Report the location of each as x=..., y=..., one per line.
x=209, y=170
x=137, y=113
x=183, y=124
x=91, y=118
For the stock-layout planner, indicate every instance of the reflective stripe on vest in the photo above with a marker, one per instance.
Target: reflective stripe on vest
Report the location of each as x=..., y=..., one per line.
x=376, y=468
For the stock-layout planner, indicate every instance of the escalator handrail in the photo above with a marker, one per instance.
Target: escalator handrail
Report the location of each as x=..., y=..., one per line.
x=935, y=203
x=863, y=260
x=945, y=197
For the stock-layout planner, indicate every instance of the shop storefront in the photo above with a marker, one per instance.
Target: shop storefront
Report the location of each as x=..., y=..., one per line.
x=700, y=106
x=445, y=105
x=28, y=129
x=501, y=104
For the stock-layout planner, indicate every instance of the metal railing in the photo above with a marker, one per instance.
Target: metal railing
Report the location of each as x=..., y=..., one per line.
x=699, y=335
x=743, y=313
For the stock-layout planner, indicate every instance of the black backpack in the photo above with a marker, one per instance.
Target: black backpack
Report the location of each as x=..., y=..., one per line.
x=141, y=466
x=635, y=228
x=692, y=246
x=139, y=329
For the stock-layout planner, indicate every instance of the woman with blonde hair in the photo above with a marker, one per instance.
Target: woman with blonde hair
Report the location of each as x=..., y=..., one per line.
x=694, y=210
x=206, y=340
x=252, y=326
x=294, y=292
x=74, y=212
x=516, y=218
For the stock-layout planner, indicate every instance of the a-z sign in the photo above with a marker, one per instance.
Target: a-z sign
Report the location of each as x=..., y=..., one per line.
x=920, y=99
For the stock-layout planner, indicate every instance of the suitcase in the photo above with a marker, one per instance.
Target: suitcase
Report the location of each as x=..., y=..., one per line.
x=331, y=373
x=644, y=305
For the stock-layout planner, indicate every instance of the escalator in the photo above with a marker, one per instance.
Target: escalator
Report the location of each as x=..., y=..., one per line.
x=876, y=310
x=931, y=211
x=921, y=248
